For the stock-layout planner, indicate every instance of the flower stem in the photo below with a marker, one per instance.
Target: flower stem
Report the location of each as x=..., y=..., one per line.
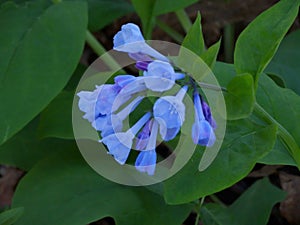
x=170, y=31
x=184, y=19
x=198, y=208
x=287, y=138
x=101, y=51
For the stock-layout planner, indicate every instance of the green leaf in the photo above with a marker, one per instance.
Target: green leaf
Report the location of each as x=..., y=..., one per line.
x=278, y=156
x=258, y=43
x=210, y=55
x=194, y=39
x=38, y=55
x=244, y=144
x=25, y=149
x=10, y=216
x=56, y=119
x=283, y=105
x=286, y=61
x=240, y=97
x=58, y=186
x=254, y=206
x=149, y=9
x=103, y=12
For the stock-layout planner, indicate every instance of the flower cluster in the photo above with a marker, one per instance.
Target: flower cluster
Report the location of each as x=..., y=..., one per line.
x=109, y=105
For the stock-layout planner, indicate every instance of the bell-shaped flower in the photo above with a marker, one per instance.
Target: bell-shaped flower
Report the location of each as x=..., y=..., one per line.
x=98, y=102
x=160, y=76
x=119, y=144
x=202, y=132
x=113, y=123
x=169, y=111
x=130, y=39
x=146, y=160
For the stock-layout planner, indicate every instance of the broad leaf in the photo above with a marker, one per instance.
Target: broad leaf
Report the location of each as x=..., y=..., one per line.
x=25, y=149
x=103, y=12
x=210, y=55
x=240, y=97
x=244, y=144
x=258, y=43
x=284, y=106
x=56, y=119
x=38, y=55
x=252, y=207
x=59, y=185
x=286, y=61
x=10, y=216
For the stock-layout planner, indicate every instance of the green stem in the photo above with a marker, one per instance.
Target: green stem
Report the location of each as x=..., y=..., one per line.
x=184, y=19
x=101, y=51
x=228, y=42
x=287, y=138
x=170, y=31
x=217, y=200
x=198, y=207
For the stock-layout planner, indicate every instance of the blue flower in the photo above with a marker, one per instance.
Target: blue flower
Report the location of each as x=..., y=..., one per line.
x=169, y=111
x=202, y=131
x=130, y=39
x=207, y=114
x=111, y=123
x=98, y=102
x=119, y=144
x=161, y=76
x=146, y=160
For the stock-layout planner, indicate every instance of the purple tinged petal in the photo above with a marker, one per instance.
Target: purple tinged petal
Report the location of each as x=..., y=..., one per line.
x=143, y=136
x=140, y=57
x=207, y=114
x=142, y=65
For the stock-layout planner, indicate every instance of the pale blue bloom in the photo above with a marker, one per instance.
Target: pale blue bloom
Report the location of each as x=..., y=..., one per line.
x=119, y=144
x=130, y=39
x=111, y=123
x=160, y=76
x=169, y=111
x=146, y=160
x=202, y=131
x=98, y=102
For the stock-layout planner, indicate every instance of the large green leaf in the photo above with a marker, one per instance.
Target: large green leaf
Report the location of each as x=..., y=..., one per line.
x=284, y=106
x=286, y=61
x=240, y=97
x=10, y=216
x=149, y=9
x=258, y=43
x=25, y=149
x=40, y=46
x=56, y=119
x=244, y=143
x=252, y=207
x=66, y=188
x=103, y=12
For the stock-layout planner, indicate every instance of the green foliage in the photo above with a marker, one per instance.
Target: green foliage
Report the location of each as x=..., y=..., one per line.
x=10, y=216
x=149, y=9
x=286, y=61
x=252, y=207
x=244, y=143
x=39, y=54
x=258, y=43
x=240, y=97
x=66, y=188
